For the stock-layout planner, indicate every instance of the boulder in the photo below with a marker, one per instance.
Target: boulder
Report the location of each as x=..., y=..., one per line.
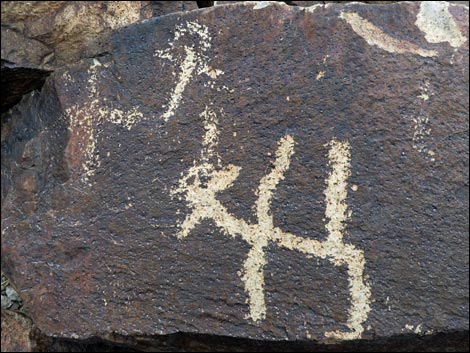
x=258, y=170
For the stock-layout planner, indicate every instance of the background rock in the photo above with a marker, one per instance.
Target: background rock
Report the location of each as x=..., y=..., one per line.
x=16, y=332
x=38, y=36
x=46, y=34
x=91, y=165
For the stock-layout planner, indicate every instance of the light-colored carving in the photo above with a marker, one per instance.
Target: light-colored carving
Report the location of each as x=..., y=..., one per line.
x=373, y=35
x=201, y=199
x=207, y=176
x=85, y=122
x=85, y=119
x=195, y=62
x=421, y=124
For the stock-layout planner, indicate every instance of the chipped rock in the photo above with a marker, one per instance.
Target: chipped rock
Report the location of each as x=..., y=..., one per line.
x=11, y=293
x=6, y=302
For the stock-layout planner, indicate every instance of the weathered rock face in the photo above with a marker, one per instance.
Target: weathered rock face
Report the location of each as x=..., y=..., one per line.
x=16, y=332
x=253, y=170
x=46, y=34
x=38, y=36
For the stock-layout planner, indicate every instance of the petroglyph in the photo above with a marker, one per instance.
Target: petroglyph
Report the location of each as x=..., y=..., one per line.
x=200, y=184
x=201, y=198
x=373, y=35
x=195, y=62
x=207, y=176
x=85, y=122
x=422, y=124
x=86, y=118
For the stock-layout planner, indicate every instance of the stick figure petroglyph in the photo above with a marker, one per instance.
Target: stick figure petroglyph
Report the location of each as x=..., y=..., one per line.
x=201, y=198
x=194, y=62
x=200, y=184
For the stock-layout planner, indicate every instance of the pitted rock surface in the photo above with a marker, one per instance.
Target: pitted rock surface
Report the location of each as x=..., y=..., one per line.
x=250, y=170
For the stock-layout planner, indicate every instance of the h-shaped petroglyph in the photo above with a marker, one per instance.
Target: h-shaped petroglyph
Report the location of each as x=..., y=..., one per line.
x=86, y=118
x=201, y=198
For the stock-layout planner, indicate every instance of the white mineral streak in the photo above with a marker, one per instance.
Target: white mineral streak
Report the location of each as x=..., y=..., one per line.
x=202, y=200
x=373, y=35
x=312, y=8
x=438, y=24
x=261, y=4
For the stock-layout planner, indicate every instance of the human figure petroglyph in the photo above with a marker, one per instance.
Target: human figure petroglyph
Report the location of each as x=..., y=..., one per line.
x=195, y=62
x=201, y=199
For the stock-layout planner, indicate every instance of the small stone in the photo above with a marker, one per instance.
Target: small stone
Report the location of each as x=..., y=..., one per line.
x=12, y=294
x=6, y=302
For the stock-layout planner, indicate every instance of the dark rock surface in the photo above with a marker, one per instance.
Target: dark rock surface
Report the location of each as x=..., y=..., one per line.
x=262, y=172
x=186, y=342
x=16, y=82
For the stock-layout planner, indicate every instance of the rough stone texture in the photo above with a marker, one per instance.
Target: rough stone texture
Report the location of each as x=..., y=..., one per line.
x=337, y=185
x=46, y=34
x=10, y=298
x=312, y=3
x=184, y=342
x=16, y=332
x=38, y=36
